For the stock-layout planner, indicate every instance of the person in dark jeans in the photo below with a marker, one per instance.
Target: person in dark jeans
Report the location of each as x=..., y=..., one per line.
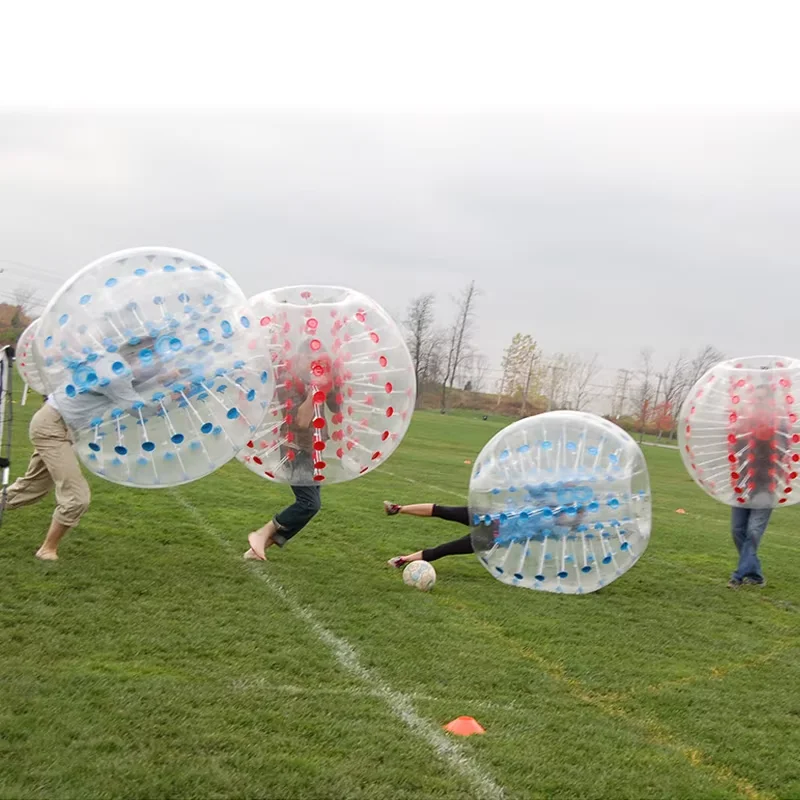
x=298, y=395
x=457, y=547
x=747, y=527
x=766, y=436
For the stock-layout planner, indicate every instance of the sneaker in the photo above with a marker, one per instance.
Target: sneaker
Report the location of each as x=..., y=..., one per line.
x=754, y=582
x=734, y=583
x=397, y=562
x=391, y=508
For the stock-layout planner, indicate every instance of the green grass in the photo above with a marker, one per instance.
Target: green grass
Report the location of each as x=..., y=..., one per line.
x=151, y=662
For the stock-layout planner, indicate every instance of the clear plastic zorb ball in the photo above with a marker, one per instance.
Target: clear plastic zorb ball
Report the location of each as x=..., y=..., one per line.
x=345, y=386
x=154, y=360
x=739, y=433
x=560, y=502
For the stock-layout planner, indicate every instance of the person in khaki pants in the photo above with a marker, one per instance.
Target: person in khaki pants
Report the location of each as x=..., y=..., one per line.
x=54, y=463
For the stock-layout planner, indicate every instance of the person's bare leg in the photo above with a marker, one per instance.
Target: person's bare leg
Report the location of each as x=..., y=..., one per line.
x=415, y=510
x=260, y=541
x=49, y=549
x=401, y=561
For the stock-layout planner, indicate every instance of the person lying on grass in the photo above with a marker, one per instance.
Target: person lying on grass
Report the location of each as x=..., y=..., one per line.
x=458, y=514
x=457, y=547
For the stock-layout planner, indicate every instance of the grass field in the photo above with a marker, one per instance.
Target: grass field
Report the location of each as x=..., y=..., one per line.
x=152, y=662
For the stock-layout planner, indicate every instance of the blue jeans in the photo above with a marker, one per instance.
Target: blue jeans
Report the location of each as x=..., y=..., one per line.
x=748, y=526
x=290, y=521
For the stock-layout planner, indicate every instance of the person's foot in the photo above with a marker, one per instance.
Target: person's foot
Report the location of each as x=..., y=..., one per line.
x=250, y=555
x=391, y=508
x=734, y=583
x=46, y=555
x=258, y=541
x=759, y=582
x=401, y=561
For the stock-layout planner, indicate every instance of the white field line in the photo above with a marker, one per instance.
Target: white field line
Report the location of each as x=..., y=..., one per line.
x=399, y=703
x=663, y=446
x=428, y=486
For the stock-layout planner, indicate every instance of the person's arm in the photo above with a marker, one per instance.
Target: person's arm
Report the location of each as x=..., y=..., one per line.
x=331, y=400
x=117, y=384
x=122, y=393
x=305, y=412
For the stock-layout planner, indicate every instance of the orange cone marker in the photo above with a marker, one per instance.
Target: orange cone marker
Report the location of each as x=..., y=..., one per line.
x=464, y=726
x=680, y=511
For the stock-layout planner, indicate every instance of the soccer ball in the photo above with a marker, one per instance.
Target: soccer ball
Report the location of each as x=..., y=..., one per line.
x=420, y=574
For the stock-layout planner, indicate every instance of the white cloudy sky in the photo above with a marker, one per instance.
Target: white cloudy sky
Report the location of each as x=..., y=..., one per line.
x=603, y=228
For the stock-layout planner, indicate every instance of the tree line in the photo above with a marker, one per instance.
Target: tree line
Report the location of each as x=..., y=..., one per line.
x=530, y=381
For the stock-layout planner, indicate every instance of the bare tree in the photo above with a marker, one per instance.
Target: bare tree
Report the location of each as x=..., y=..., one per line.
x=706, y=358
x=465, y=368
x=480, y=370
x=583, y=373
x=421, y=336
x=644, y=395
x=674, y=382
x=619, y=401
x=557, y=381
x=25, y=297
x=459, y=338
x=529, y=360
x=702, y=362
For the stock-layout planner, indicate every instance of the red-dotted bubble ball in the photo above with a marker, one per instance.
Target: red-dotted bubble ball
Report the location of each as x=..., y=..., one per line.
x=343, y=365
x=743, y=425
x=26, y=361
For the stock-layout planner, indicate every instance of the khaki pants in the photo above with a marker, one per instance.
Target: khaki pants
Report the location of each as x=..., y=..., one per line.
x=53, y=464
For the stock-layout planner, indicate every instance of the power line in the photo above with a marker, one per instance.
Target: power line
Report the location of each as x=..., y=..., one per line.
x=33, y=302
x=39, y=271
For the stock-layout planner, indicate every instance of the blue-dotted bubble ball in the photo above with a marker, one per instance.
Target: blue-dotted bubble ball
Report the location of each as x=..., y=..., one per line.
x=155, y=362
x=26, y=361
x=560, y=502
x=344, y=386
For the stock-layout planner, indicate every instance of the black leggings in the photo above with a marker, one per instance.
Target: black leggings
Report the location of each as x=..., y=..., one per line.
x=459, y=514
x=458, y=547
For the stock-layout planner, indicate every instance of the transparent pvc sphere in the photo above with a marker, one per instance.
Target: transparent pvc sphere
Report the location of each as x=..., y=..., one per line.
x=154, y=359
x=739, y=433
x=345, y=386
x=25, y=359
x=560, y=502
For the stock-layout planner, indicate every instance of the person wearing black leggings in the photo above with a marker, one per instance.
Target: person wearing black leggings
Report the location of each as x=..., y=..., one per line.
x=458, y=547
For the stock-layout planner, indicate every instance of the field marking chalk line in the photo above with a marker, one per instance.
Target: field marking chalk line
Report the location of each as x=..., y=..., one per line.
x=399, y=703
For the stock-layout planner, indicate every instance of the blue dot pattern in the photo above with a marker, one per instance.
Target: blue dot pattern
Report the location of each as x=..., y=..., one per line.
x=157, y=389
x=560, y=502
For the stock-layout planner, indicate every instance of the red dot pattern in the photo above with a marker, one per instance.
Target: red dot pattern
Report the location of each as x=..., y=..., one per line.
x=359, y=382
x=761, y=448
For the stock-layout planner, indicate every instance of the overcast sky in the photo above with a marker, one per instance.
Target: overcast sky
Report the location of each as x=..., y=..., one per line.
x=593, y=233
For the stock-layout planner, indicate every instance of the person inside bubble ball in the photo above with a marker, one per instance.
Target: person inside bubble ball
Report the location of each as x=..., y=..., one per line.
x=766, y=434
x=53, y=463
x=305, y=384
x=461, y=515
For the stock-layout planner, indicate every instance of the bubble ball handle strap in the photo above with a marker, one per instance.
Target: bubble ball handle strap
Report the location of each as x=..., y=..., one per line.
x=6, y=418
